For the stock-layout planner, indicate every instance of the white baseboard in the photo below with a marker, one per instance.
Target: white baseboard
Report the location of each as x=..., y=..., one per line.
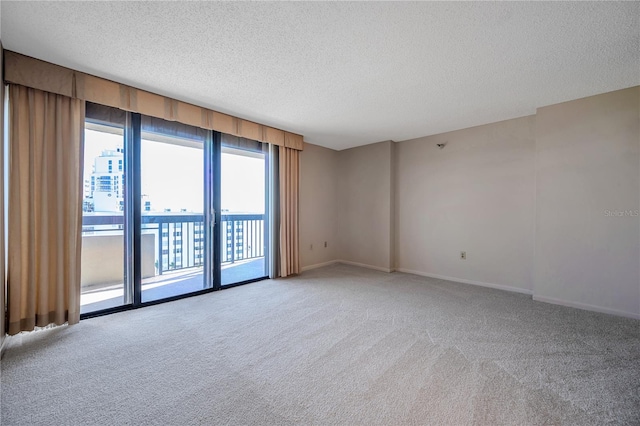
x=318, y=265
x=364, y=265
x=465, y=281
x=576, y=305
x=346, y=262
x=586, y=307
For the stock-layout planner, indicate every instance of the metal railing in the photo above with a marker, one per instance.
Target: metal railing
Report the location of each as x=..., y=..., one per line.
x=179, y=237
x=242, y=237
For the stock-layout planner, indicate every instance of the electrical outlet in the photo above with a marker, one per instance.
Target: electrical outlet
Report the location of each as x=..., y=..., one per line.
x=325, y=244
x=311, y=247
x=463, y=255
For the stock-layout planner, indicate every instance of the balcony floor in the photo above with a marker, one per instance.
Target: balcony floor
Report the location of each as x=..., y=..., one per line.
x=170, y=284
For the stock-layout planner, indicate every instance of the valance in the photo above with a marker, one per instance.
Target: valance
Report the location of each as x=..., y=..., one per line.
x=37, y=74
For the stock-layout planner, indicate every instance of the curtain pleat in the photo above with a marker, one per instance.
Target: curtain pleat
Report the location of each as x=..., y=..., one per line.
x=45, y=219
x=289, y=160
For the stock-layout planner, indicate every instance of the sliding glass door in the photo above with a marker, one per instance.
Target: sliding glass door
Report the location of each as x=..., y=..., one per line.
x=103, y=270
x=148, y=213
x=244, y=230
x=167, y=211
x=172, y=210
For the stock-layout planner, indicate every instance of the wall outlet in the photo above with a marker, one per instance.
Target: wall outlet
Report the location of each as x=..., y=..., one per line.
x=311, y=247
x=325, y=244
x=463, y=255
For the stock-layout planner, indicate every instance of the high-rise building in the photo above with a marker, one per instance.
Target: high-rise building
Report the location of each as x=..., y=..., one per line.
x=107, y=181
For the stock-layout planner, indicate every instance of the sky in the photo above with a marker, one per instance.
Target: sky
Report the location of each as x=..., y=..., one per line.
x=172, y=175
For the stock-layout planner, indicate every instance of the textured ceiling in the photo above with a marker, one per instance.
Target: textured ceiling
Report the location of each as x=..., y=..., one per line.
x=344, y=74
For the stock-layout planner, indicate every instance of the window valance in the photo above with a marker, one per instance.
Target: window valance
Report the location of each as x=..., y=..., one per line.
x=37, y=74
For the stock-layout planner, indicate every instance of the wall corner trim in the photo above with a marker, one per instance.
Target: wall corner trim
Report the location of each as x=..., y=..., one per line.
x=542, y=299
x=364, y=265
x=346, y=262
x=465, y=281
x=586, y=307
x=319, y=265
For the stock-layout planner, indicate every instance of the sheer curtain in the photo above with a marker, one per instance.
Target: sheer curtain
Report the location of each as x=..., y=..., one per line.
x=289, y=160
x=46, y=139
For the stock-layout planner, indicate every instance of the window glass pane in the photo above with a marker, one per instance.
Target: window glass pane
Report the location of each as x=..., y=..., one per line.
x=243, y=225
x=172, y=183
x=102, y=282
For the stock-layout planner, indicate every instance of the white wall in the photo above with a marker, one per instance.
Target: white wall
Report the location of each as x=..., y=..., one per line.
x=318, y=205
x=476, y=195
x=365, y=207
x=588, y=165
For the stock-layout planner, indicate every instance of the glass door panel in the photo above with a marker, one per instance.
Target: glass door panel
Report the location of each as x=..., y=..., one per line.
x=168, y=210
x=243, y=225
x=102, y=264
x=172, y=210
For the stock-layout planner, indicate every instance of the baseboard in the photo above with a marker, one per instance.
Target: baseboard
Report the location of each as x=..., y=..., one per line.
x=551, y=300
x=364, y=265
x=345, y=262
x=465, y=281
x=586, y=307
x=318, y=265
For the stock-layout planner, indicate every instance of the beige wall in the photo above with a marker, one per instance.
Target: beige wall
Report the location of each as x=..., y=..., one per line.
x=365, y=207
x=587, y=169
x=474, y=195
x=344, y=195
x=546, y=204
x=318, y=205
x=103, y=259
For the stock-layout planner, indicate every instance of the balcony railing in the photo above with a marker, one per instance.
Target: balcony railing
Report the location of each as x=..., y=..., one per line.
x=178, y=238
x=242, y=237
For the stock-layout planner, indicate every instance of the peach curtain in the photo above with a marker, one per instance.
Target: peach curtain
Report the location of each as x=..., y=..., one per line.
x=45, y=219
x=289, y=160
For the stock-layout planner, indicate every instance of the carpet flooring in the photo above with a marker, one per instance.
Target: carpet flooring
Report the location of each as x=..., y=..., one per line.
x=338, y=345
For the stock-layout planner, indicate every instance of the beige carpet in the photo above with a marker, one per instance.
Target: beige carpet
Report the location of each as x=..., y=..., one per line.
x=338, y=345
